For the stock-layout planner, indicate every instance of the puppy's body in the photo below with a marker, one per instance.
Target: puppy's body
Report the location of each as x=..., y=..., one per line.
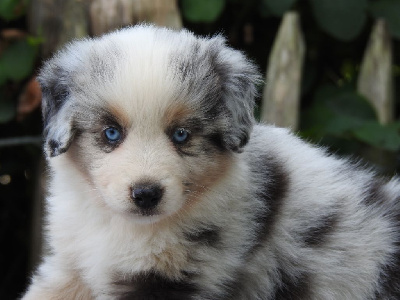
x=242, y=212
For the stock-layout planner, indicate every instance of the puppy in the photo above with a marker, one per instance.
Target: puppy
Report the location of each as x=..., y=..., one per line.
x=162, y=186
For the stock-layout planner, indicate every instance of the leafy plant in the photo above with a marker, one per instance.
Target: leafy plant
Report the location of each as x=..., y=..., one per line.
x=278, y=7
x=16, y=64
x=12, y=9
x=202, y=11
x=17, y=60
x=342, y=19
x=390, y=11
x=341, y=114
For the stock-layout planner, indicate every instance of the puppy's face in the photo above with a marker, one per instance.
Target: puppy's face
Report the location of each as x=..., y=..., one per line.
x=149, y=116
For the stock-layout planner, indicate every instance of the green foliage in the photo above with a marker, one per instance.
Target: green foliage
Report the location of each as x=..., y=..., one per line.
x=16, y=64
x=342, y=19
x=335, y=111
x=278, y=7
x=390, y=11
x=12, y=9
x=17, y=60
x=342, y=114
x=384, y=137
x=202, y=10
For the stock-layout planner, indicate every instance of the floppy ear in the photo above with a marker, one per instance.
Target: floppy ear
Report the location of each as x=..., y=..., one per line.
x=239, y=78
x=56, y=109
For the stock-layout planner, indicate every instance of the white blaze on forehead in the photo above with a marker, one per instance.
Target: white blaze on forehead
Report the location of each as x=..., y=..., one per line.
x=143, y=84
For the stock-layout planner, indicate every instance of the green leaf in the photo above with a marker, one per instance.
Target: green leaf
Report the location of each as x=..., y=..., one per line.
x=351, y=104
x=385, y=137
x=336, y=111
x=341, y=125
x=343, y=19
x=315, y=120
x=206, y=11
x=390, y=11
x=34, y=40
x=17, y=61
x=279, y=7
x=12, y=9
x=344, y=101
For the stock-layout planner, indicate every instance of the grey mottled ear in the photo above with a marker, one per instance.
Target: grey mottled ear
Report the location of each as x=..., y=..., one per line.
x=56, y=109
x=238, y=77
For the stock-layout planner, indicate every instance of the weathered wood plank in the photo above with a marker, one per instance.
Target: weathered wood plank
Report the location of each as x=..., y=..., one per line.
x=375, y=81
x=58, y=22
x=282, y=90
x=106, y=15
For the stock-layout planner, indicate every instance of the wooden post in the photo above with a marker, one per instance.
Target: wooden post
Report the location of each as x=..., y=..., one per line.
x=282, y=90
x=58, y=22
x=106, y=15
x=375, y=81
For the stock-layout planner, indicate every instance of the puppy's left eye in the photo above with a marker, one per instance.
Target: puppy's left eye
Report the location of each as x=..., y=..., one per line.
x=180, y=136
x=112, y=134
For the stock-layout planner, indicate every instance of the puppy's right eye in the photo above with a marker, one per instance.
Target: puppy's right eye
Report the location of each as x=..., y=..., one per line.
x=180, y=136
x=112, y=135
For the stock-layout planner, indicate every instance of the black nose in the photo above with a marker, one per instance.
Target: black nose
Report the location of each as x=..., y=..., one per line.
x=147, y=196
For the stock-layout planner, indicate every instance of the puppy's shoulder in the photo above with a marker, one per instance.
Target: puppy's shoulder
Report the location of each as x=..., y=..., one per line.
x=281, y=144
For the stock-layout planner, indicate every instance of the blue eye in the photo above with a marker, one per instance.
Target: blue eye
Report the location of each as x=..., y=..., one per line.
x=112, y=134
x=180, y=136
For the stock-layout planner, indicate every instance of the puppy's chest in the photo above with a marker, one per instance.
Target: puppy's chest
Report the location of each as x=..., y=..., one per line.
x=162, y=253
x=154, y=268
x=168, y=263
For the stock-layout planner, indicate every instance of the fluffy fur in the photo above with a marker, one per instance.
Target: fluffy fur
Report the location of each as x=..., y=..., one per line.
x=247, y=211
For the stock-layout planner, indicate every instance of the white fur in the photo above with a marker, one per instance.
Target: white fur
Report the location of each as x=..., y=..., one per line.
x=274, y=218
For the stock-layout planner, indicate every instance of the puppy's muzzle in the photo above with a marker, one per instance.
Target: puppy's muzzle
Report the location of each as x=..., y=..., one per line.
x=147, y=196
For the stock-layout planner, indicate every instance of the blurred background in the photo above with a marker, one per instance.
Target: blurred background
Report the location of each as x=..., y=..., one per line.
x=332, y=71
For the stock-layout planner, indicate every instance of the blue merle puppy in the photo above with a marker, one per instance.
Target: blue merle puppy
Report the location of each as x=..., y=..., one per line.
x=163, y=187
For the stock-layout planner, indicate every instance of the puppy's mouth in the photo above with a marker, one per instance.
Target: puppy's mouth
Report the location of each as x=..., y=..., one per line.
x=145, y=212
x=145, y=216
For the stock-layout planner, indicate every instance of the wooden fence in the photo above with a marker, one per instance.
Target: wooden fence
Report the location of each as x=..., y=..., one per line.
x=60, y=21
x=281, y=96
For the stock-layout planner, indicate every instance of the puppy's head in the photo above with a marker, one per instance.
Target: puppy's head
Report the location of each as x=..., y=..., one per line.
x=151, y=117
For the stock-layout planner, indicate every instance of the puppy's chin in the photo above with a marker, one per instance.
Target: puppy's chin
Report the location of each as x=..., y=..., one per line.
x=149, y=216
x=143, y=217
